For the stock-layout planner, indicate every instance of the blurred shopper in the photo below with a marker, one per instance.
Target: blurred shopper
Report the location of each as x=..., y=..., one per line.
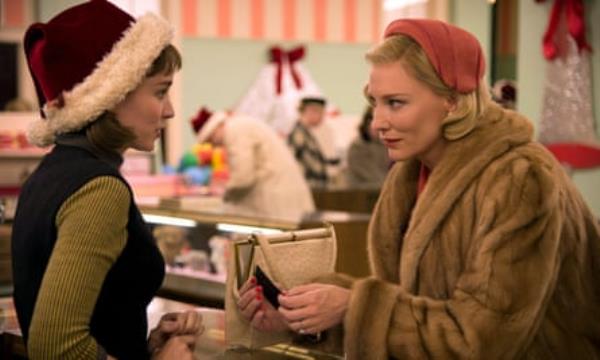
x=85, y=265
x=368, y=161
x=264, y=178
x=480, y=245
x=305, y=146
x=504, y=92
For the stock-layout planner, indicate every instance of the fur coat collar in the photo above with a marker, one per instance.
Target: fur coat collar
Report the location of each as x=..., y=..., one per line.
x=464, y=160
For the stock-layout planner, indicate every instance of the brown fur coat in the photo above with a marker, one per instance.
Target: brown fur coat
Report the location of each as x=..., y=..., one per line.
x=498, y=259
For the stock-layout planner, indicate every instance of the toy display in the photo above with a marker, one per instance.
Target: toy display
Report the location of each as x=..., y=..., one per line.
x=204, y=165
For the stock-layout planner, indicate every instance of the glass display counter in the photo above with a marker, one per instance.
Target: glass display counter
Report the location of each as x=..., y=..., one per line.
x=344, y=198
x=194, y=244
x=193, y=236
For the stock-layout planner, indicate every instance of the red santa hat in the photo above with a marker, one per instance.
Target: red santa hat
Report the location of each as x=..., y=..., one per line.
x=205, y=122
x=85, y=61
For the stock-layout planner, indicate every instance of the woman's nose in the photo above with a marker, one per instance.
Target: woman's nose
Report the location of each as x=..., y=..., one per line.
x=168, y=111
x=380, y=121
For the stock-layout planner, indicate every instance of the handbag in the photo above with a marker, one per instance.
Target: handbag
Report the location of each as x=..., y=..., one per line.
x=289, y=259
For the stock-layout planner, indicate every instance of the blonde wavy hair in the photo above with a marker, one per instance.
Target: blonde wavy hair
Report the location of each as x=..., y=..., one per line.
x=463, y=119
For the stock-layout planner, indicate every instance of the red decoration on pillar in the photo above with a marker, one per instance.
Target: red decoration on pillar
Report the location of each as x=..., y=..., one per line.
x=573, y=10
x=576, y=148
x=576, y=156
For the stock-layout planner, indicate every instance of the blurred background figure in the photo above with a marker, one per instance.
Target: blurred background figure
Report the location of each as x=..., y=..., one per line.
x=263, y=179
x=171, y=240
x=368, y=161
x=504, y=92
x=18, y=104
x=307, y=138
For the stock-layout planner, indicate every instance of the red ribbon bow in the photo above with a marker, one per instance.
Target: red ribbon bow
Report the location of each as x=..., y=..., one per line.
x=575, y=23
x=278, y=56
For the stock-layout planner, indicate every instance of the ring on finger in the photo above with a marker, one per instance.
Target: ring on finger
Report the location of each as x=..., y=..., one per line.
x=301, y=327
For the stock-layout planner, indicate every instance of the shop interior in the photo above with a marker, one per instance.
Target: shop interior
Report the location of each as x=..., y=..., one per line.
x=228, y=64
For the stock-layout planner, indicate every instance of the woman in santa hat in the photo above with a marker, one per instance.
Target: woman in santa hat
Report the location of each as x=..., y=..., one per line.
x=480, y=245
x=85, y=265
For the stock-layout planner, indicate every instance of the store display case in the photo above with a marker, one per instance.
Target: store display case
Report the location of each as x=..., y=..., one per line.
x=346, y=198
x=5, y=262
x=194, y=244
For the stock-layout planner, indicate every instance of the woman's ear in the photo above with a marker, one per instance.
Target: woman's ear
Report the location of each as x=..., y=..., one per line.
x=451, y=104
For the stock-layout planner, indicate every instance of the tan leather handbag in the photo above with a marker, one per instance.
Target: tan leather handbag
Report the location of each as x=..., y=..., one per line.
x=289, y=259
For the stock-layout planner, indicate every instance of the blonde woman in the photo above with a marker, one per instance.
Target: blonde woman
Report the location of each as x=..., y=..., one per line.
x=480, y=245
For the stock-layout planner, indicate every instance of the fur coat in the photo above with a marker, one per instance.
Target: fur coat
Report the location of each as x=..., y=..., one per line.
x=499, y=258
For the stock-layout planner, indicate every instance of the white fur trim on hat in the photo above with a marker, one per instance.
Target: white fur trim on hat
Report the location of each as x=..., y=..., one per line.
x=215, y=120
x=118, y=73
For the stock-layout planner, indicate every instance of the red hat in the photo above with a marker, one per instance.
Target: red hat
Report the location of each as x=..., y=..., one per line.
x=454, y=53
x=205, y=122
x=200, y=119
x=85, y=60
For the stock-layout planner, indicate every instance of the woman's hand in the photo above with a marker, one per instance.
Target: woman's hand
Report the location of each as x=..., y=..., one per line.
x=186, y=325
x=177, y=347
x=259, y=313
x=309, y=309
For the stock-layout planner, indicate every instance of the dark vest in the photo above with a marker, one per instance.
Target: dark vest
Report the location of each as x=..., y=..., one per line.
x=119, y=321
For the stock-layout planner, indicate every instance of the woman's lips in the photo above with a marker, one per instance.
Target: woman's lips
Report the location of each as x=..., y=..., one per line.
x=390, y=142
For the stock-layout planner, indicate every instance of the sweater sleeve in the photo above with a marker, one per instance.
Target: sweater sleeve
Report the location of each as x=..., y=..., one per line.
x=499, y=299
x=91, y=234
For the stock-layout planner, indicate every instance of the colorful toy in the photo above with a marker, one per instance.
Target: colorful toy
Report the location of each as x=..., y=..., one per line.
x=188, y=160
x=204, y=165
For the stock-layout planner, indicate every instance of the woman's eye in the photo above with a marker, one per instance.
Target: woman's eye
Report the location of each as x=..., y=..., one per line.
x=395, y=103
x=161, y=94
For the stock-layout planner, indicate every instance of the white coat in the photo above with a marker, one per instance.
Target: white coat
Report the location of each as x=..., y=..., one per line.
x=264, y=178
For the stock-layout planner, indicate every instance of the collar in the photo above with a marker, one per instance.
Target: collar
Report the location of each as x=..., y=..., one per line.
x=423, y=177
x=400, y=221
x=81, y=141
x=497, y=132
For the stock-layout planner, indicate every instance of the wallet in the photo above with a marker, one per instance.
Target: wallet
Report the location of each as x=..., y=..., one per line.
x=270, y=291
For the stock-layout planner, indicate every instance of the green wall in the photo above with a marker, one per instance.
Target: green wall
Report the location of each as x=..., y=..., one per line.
x=476, y=17
x=217, y=73
x=47, y=9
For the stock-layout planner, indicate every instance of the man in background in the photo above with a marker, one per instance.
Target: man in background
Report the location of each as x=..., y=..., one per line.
x=305, y=146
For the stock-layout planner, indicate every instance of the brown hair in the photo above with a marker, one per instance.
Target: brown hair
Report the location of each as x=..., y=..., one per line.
x=106, y=133
x=469, y=106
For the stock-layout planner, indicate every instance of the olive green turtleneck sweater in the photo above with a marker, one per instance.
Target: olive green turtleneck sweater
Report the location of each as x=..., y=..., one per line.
x=92, y=233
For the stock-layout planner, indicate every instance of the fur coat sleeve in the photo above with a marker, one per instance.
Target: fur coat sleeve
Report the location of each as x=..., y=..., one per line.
x=476, y=267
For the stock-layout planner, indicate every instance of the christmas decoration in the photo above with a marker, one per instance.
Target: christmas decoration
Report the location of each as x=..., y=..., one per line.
x=567, y=125
x=275, y=94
